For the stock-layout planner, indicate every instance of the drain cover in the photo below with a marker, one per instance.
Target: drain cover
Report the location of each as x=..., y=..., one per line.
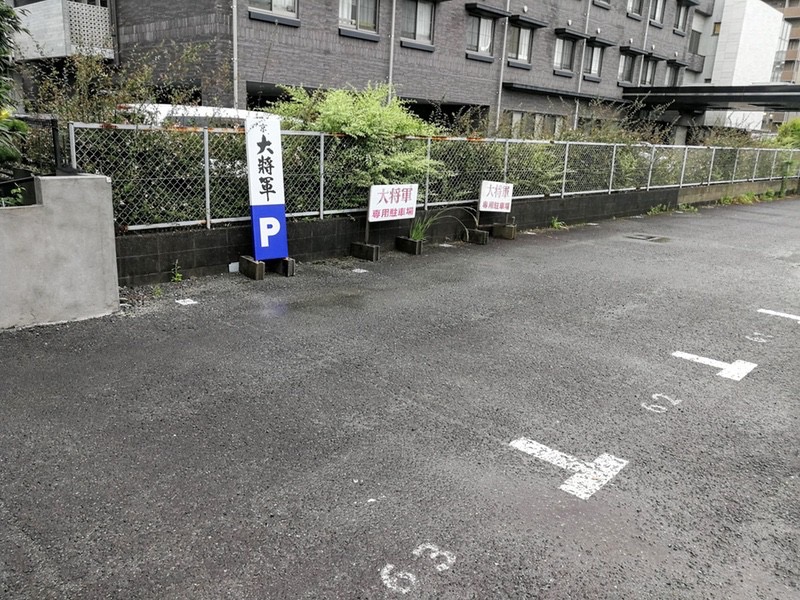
x=644, y=237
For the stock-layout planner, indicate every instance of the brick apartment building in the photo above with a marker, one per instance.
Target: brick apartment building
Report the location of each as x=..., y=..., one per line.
x=532, y=63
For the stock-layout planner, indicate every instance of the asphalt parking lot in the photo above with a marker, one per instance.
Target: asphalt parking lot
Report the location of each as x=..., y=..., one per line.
x=610, y=411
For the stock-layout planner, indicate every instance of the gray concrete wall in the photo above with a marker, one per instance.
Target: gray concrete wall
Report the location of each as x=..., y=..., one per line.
x=58, y=256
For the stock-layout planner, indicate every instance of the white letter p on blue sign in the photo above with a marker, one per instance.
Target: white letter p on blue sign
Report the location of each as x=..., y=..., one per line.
x=269, y=232
x=269, y=226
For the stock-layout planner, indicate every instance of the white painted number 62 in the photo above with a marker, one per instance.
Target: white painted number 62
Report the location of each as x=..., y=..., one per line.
x=434, y=553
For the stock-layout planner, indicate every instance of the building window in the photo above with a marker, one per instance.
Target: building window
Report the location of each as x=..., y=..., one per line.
x=648, y=72
x=594, y=61
x=682, y=17
x=657, y=11
x=418, y=20
x=519, y=43
x=565, y=54
x=279, y=7
x=627, y=66
x=359, y=14
x=635, y=7
x=480, y=33
x=694, y=41
x=717, y=26
x=673, y=76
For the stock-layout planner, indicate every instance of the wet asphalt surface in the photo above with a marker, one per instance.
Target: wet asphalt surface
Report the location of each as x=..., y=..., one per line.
x=307, y=437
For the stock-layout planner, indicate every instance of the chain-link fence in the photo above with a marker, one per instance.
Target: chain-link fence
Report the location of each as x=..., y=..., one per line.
x=191, y=176
x=39, y=148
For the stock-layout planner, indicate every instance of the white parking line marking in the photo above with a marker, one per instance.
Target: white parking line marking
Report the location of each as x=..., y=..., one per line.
x=360, y=271
x=779, y=314
x=761, y=338
x=588, y=478
x=186, y=302
x=737, y=370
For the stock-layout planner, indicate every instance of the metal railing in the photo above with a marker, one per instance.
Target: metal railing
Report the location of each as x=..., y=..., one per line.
x=176, y=177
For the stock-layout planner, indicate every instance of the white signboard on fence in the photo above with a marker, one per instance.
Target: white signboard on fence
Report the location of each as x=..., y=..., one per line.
x=265, y=160
x=392, y=202
x=496, y=196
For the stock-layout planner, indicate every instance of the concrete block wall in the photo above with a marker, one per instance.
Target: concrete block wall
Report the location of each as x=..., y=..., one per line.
x=58, y=255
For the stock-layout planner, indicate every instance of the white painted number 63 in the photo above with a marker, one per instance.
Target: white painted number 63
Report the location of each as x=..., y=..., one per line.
x=394, y=581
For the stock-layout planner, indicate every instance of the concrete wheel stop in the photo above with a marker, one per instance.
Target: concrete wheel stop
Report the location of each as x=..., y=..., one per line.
x=256, y=269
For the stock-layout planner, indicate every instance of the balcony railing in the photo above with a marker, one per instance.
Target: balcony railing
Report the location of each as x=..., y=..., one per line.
x=59, y=28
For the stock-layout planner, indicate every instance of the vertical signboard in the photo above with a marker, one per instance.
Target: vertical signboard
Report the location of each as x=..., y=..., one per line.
x=265, y=178
x=496, y=196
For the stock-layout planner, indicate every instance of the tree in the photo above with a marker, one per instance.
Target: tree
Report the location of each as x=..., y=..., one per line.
x=789, y=134
x=10, y=129
x=368, y=147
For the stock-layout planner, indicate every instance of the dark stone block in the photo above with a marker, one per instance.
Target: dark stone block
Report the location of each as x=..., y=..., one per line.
x=506, y=231
x=170, y=243
x=369, y=252
x=252, y=268
x=409, y=246
x=282, y=266
x=128, y=266
x=213, y=238
x=134, y=244
x=476, y=236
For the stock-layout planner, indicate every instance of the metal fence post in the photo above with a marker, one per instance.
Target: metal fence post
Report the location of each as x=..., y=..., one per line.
x=613, y=166
x=428, y=174
x=755, y=166
x=772, y=168
x=505, y=164
x=56, y=142
x=73, y=156
x=650, y=173
x=735, y=166
x=683, y=167
x=564, y=175
x=207, y=167
x=711, y=166
x=321, y=176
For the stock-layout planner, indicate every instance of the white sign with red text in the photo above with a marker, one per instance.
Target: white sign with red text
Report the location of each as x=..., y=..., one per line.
x=496, y=196
x=391, y=202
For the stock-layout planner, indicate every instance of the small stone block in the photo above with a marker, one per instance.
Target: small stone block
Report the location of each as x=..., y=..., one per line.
x=409, y=246
x=369, y=252
x=506, y=231
x=476, y=236
x=282, y=266
x=252, y=268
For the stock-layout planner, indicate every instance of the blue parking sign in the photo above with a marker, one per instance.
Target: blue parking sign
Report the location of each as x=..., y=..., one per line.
x=269, y=231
